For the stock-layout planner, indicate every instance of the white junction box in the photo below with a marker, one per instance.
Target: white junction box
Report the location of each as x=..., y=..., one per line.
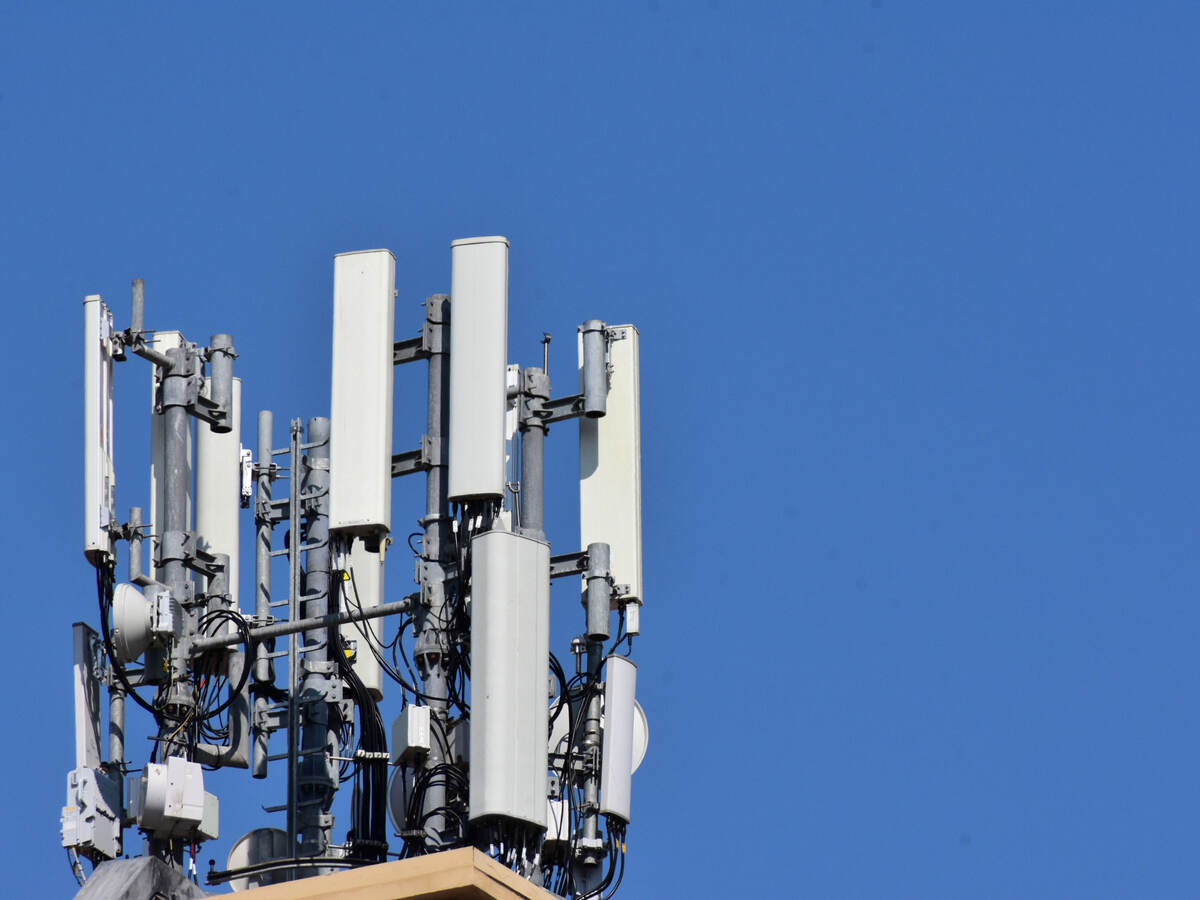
x=219, y=487
x=169, y=800
x=360, y=438
x=478, y=360
x=510, y=651
x=410, y=735
x=610, y=469
x=99, y=480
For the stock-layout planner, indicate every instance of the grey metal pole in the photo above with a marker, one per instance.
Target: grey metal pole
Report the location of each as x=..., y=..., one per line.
x=116, y=727
x=595, y=370
x=176, y=427
x=220, y=360
x=293, y=710
x=138, y=313
x=430, y=619
x=535, y=388
x=263, y=676
x=318, y=774
x=329, y=620
x=599, y=592
x=590, y=847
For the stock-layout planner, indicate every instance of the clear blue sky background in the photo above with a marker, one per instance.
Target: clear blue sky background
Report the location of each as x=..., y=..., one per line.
x=917, y=289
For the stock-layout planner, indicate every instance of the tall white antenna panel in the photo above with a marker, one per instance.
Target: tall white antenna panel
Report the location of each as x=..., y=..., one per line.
x=100, y=489
x=360, y=438
x=478, y=360
x=162, y=341
x=365, y=589
x=610, y=469
x=510, y=653
x=219, y=488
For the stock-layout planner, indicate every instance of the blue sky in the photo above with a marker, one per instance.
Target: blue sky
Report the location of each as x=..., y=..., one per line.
x=916, y=285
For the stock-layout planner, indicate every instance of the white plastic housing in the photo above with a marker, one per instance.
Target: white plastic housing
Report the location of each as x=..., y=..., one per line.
x=512, y=474
x=162, y=341
x=365, y=589
x=169, y=799
x=219, y=488
x=410, y=735
x=86, y=691
x=510, y=647
x=616, y=761
x=478, y=359
x=99, y=481
x=360, y=437
x=610, y=469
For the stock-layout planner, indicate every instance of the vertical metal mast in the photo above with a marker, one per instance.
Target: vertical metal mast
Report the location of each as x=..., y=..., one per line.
x=318, y=775
x=430, y=619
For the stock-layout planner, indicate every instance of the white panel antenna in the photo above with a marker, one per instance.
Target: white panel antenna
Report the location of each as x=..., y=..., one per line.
x=219, y=488
x=360, y=443
x=100, y=490
x=478, y=362
x=510, y=651
x=610, y=471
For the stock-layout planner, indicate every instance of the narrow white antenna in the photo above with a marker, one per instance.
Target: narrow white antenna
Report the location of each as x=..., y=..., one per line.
x=100, y=489
x=478, y=363
x=364, y=588
x=219, y=488
x=610, y=471
x=360, y=440
x=616, y=766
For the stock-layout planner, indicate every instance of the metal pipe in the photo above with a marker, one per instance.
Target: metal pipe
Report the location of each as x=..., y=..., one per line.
x=318, y=778
x=535, y=387
x=595, y=368
x=263, y=674
x=237, y=752
x=220, y=359
x=116, y=726
x=432, y=638
x=136, y=574
x=294, y=542
x=138, y=313
x=599, y=592
x=280, y=629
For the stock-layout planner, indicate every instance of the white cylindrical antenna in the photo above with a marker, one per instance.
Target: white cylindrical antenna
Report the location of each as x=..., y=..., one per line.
x=100, y=491
x=610, y=468
x=219, y=487
x=478, y=360
x=360, y=441
x=363, y=587
x=616, y=763
x=510, y=650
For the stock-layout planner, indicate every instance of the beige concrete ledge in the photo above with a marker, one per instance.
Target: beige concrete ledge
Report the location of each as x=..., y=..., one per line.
x=463, y=874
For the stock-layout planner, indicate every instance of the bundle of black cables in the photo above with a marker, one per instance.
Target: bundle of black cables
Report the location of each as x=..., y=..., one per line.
x=368, y=838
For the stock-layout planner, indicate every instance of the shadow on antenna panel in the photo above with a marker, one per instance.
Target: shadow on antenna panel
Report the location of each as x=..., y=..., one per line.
x=504, y=763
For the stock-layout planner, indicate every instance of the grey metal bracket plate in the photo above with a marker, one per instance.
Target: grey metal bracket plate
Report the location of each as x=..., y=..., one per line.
x=569, y=564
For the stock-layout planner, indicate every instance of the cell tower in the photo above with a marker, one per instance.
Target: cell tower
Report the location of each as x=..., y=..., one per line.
x=494, y=743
